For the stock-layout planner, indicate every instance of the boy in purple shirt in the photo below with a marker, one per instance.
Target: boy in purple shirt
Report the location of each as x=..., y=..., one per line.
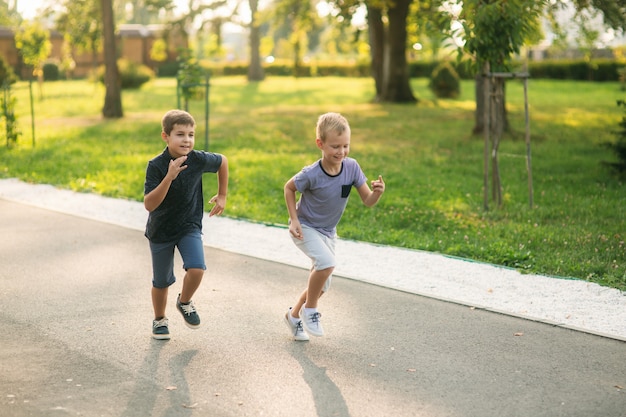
x=324, y=188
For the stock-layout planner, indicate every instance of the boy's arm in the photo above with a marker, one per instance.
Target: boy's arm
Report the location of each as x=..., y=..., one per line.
x=290, y=199
x=371, y=197
x=222, y=189
x=154, y=198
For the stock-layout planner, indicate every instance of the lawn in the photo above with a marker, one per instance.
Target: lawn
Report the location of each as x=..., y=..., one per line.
x=431, y=163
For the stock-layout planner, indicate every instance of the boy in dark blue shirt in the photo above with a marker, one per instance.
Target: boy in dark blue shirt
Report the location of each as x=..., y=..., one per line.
x=173, y=196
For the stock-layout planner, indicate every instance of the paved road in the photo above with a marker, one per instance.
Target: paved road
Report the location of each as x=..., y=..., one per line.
x=75, y=306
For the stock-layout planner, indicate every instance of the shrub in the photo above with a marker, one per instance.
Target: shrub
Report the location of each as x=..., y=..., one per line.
x=51, y=72
x=619, y=146
x=444, y=81
x=167, y=69
x=132, y=75
x=6, y=72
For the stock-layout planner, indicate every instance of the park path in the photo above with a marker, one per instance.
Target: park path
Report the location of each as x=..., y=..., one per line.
x=74, y=296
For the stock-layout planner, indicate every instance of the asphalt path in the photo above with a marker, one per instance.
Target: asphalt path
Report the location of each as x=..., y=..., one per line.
x=75, y=306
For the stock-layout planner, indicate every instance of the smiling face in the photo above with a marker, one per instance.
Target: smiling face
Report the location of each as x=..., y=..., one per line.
x=180, y=140
x=333, y=138
x=335, y=148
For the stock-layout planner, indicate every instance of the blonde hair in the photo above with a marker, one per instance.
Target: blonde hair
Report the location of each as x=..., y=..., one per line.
x=176, y=117
x=331, y=122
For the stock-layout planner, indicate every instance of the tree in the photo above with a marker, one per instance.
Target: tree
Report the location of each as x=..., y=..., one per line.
x=490, y=32
x=8, y=14
x=395, y=72
x=33, y=42
x=184, y=24
x=301, y=19
x=81, y=23
x=494, y=30
x=113, y=97
x=142, y=12
x=255, y=70
x=387, y=29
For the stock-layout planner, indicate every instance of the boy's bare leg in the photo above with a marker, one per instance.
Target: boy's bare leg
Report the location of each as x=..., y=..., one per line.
x=191, y=282
x=159, y=301
x=317, y=279
x=295, y=311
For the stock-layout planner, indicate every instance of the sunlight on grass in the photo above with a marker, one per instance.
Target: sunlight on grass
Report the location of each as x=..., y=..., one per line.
x=431, y=162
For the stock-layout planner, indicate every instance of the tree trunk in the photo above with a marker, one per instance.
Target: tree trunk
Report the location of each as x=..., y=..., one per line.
x=395, y=86
x=113, y=96
x=376, y=30
x=502, y=114
x=255, y=70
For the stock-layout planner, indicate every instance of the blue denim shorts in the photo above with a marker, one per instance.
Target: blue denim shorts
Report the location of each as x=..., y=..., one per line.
x=318, y=247
x=191, y=249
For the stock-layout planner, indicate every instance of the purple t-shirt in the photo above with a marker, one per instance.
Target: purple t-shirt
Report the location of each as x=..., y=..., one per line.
x=324, y=197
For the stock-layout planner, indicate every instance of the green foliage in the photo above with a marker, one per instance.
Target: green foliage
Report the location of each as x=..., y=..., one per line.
x=622, y=78
x=431, y=163
x=495, y=30
x=158, y=52
x=33, y=42
x=51, y=72
x=81, y=23
x=191, y=76
x=570, y=69
x=575, y=69
x=619, y=146
x=132, y=75
x=7, y=106
x=6, y=72
x=444, y=81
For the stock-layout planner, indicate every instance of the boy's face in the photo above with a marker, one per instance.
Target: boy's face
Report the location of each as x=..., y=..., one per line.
x=180, y=141
x=336, y=147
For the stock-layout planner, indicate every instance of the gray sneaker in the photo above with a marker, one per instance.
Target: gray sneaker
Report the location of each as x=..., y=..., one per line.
x=296, y=330
x=160, y=330
x=188, y=311
x=311, y=323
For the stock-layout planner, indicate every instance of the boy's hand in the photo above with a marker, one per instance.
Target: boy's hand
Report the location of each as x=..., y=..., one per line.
x=220, y=204
x=296, y=230
x=378, y=186
x=176, y=166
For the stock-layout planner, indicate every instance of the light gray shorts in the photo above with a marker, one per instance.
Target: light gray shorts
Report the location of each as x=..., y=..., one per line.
x=320, y=248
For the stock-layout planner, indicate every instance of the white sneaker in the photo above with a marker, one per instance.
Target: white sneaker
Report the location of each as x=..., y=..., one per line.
x=311, y=323
x=296, y=329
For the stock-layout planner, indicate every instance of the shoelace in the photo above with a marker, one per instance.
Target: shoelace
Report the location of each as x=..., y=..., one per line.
x=315, y=317
x=188, y=308
x=299, y=328
x=160, y=323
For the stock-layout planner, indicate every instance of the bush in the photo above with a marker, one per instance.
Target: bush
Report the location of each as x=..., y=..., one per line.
x=6, y=72
x=132, y=75
x=444, y=81
x=51, y=72
x=619, y=146
x=575, y=69
x=167, y=69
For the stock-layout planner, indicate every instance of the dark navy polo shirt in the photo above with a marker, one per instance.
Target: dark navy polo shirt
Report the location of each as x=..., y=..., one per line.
x=183, y=207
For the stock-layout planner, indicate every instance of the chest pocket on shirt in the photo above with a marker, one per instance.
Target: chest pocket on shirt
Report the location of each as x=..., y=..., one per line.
x=345, y=190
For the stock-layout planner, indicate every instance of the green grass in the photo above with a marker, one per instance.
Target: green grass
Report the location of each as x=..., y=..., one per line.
x=431, y=163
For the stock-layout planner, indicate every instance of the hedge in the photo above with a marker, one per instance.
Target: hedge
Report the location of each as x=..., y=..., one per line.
x=581, y=70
